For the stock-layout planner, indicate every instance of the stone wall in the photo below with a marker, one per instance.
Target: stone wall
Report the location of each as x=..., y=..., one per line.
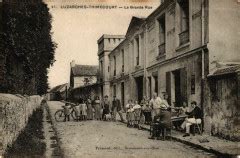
x=14, y=113
x=221, y=108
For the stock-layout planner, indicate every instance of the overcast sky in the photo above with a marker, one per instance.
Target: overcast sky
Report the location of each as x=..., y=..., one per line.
x=76, y=31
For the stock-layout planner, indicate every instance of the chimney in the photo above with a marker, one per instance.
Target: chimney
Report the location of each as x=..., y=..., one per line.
x=72, y=63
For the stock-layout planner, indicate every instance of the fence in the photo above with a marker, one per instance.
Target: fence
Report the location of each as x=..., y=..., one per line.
x=14, y=113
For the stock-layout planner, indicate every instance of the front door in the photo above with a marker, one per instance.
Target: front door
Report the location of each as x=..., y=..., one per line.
x=139, y=84
x=122, y=94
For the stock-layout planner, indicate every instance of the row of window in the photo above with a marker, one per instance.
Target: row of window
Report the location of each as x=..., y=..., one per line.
x=184, y=27
x=183, y=35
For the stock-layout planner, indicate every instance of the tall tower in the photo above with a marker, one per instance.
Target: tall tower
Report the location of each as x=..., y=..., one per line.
x=106, y=43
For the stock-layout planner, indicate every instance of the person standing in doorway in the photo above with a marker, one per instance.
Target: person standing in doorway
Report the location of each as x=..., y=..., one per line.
x=155, y=103
x=117, y=108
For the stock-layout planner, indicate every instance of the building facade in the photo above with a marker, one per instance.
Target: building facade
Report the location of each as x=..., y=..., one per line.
x=59, y=92
x=173, y=50
x=81, y=75
x=106, y=44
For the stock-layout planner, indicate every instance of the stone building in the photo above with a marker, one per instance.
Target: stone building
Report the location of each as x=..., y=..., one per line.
x=81, y=75
x=59, y=92
x=106, y=44
x=222, y=101
x=127, y=63
x=83, y=82
x=174, y=49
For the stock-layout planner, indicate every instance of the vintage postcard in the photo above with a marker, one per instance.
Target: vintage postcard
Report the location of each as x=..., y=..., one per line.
x=119, y=78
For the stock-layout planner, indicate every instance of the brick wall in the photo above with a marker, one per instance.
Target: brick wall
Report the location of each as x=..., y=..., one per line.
x=14, y=114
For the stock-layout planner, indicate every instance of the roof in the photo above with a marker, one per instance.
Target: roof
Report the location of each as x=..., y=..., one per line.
x=135, y=23
x=86, y=86
x=225, y=70
x=84, y=70
x=109, y=36
x=163, y=6
x=118, y=46
x=58, y=88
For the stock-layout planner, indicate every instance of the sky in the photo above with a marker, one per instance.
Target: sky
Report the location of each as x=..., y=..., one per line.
x=76, y=31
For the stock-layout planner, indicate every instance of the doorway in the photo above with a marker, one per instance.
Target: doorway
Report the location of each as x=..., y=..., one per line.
x=102, y=92
x=156, y=83
x=180, y=86
x=139, y=85
x=122, y=94
x=150, y=86
x=177, y=83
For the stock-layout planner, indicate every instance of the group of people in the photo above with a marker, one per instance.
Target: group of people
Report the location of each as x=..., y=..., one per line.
x=162, y=114
x=157, y=110
x=146, y=111
x=94, y=109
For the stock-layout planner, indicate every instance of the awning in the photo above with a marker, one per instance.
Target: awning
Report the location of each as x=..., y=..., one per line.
x=225, y=71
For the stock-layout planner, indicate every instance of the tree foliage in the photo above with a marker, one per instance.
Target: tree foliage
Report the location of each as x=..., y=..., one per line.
x=28, y=46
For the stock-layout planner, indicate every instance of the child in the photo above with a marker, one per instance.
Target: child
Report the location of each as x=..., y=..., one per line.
x=127, y=114
x=77, y=112
x=130, y=114
x=146, y=110
x=137, y=113
x=66, y=112
x=84, y=111
x=142, y=120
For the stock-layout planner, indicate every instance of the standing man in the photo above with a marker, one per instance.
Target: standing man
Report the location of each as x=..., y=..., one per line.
x=117, y=108
x=155, y=103
x=165, y=101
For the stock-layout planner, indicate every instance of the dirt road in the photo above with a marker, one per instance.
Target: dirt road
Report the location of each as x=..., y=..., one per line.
x=114, y=139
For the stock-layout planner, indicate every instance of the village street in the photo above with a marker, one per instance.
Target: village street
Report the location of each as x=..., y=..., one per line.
x=114, y=139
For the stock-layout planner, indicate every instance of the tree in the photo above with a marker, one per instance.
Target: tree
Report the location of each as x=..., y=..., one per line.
x=28, y=46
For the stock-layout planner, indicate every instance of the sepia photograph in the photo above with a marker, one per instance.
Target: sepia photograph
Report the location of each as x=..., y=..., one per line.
x=119, y=78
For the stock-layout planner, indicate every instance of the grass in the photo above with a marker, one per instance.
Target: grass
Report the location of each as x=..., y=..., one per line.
x=30, y=142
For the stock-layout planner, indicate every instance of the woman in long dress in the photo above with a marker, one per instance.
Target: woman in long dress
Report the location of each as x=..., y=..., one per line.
x=97, y=107
x=84, y=111
x=89, y=109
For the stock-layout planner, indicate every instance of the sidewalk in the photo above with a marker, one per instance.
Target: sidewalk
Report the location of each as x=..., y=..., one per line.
x=215, y=145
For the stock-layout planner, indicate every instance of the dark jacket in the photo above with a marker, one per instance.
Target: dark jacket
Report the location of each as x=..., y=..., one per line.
x=164, y=118
x=106, y=107
x=116, y=104
x=195, y=113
